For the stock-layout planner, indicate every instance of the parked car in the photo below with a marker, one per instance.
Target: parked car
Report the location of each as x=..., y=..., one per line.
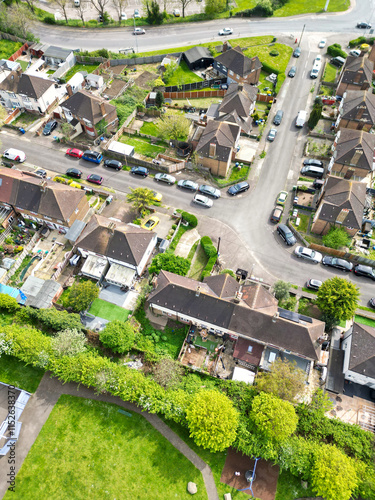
x=74, y=152
x=41, y=172
x=168, y=179
x=308, y=254
x=124, y=17
x=238, y=188
x=322, y=44
x=176, y=12
x=366, y=271
x=328, y=100
x=94, y=156
x=74, y=172
x=277, y=213
x=203, y=201
x=363, y=25
x=297, y=52
x=338, y=61
x=312, y=162
x=94, y=178
x=15, y=155
x=312, y=171
x=50, y=127
x=157, y=196
x=151, y=223
x=187, y=184
x=139, y=31
x=371, y=302
x=286, y=234
x=292, y=72
x=355, y=53
x=313, y=284
x=341, y=264
x=271, y=135
x=281, y=199
x=136, y=14
x=225, y=31
x=209, y=191
x=278, y=117
x=143, y=171
x=117, y=165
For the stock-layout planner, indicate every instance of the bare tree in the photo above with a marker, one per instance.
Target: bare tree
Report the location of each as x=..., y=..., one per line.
x=119, y=6
x=83, y=4
x=184, y=4
x=99, y=6
x=19, y=19
x=63, y=4
x=31, y=5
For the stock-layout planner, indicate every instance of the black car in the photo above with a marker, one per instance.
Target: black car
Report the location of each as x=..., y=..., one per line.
x=286, y=234
x=371, y=302
x=314, y=284
x=313, y=163
x=113, y=164
x=278, y=117
x=292, y=72
x=238, y=188
x=364, y=26
x=50, y=126
x=366, y=271
x=143, y=171
x=41, y=172
x=341, y=264
x=297, y=52
x=74, y=172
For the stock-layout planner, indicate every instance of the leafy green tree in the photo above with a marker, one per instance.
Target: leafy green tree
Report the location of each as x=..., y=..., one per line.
x=49, y=318
x=338, y=297
x=174, y=127
x=366, y=478
x=8, y=303
x=158, y=82
x=315, y=116
x=168, y=373
x=169, y=262
x=336, y=237
x=281, y=290
x=118, y=336
x=81, y=295
x=212, y=420
x=154, y=16
x=169, y=70
x=285, y=380
x=213, y=6
x=297, y=454
x=275, y=418
x=69, y=343
x=333, y=474
x=140, y=198
x=159, y=99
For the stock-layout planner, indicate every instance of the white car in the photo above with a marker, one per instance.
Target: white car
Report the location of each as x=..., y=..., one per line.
x=308, y=254
x=15, y=155
x=355, y=53
x=136, y=14
x=203, y=201
x=139, y=31
x=124, y=17
x=168, y=179
x=322, y=44
x=176, y=12
x=225, y=31
x=318, y=59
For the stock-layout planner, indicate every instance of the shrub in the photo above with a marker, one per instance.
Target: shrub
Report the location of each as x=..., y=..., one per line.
x=335, y=50
x=337, y=237
x=262, y=9
x=228, y=271
x=69, y=342
x=274, y=53
x=8, y=303
x=54, y=319
x=208, y=247
x=118, y=336
x=61, y=180
x=49, y=20
x=190, y=218
x=357, y=41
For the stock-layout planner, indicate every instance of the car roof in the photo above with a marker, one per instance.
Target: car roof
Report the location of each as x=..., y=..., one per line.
x=364, y=268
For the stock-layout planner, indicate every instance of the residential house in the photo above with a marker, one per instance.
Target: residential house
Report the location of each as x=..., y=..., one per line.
x=56, y=56
x=340, y=205
x=115, y=250
x=358, y=345
x=6, y=67
x=353, y=154
x=216, y=148
x=357, y=110
x=89, y=110
x=236, y=67
x=35, y=94
x=248, y=315
x=95, y=81
x=41, y=200
x=371, y=54
x=197, y=57
x=236, y=107
x=356, y=75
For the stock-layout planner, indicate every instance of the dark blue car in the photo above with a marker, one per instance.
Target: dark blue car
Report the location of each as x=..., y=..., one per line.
x=93, y=156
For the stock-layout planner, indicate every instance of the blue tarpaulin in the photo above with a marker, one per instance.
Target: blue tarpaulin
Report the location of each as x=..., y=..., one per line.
x=13, y=292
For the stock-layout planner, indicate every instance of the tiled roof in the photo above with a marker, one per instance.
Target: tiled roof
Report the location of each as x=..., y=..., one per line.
x=362, y=352
x=355, y=148
x=223, y=135
x=28, y=85
x=359, y=105
x=357, y=69
x=85, y=105
x=235, y=60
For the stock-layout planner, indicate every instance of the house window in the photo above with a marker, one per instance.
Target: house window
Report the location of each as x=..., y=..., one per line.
x=250, y=348
x=25, y=99
x=76, y=211
x=238, y=76
x=231, y=72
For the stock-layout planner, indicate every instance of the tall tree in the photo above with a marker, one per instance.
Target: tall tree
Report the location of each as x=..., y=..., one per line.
x=63, y=4
x=69, y=342
x=184, y=4
x=273, y=417
x=333, y=474
x=17, y=19
x=118, y=336
x=338, y=298
x=285, y=380
x=140, y=198
x=281, y=290
x=99, y=6
x=154, y=16
x=119, y=6
x=81, y=295
x=213, y=6
x=82, y=8
x=212, y=420
x=174, y=127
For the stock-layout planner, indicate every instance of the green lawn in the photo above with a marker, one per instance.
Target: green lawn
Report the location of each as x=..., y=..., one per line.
x=279, y=62
x=304, y=223
x=80, y=67
x=108, y=311
x=15, y=372
x=149, y=128
x=8, y=48
x=142, y=146
x=234, y=176
x=23, y=64
x=297, y=7
x=25, y=119
x=308, y=290
x=199, y=263
x=87, y=449
x=329, y=73
x=183, y=75
x=364, y=321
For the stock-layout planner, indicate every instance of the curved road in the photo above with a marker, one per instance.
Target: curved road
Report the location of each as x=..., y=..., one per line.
x=248, y=214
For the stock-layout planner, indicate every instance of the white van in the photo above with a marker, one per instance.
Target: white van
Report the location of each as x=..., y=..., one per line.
x=316, y=68
x=301, y=118
x=77, y=3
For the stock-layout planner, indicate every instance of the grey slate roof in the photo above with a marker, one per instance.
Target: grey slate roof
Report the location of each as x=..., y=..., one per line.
x=342, y=194
x=123, y=242
x=355, y=148
x=28, y=85
x=57, y=52
x=239, y=97
x=222, y=134
x=359, y=105
x=180, y=295
x=85, y=105
x=196, y=53
x=358, y=70
x=235, y=60
x=39, y=292
x=362, y=353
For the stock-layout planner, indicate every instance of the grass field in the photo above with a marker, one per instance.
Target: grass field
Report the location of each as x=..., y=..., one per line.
x=149, y=128
x=234, y=176
x=329, y=73
x=199, y=263
x=8, y=48
x=142, y=146
x=15, y=372
x=297, y=7
x=304, y=223
x=80, y=67
x=364, y=321
x=108, y=311
x=87, y=449
x=23, y=64
x=183, y=75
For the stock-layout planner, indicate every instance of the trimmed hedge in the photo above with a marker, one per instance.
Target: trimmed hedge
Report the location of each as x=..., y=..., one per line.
x=360, y=40
x=211, y=252
x=335, y=50
x=190, y=219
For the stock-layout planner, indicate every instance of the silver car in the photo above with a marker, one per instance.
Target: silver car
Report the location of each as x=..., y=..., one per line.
x=308, y=254
x=203, y=201
x=168, y=179
x=209, y=191
x=187, y=184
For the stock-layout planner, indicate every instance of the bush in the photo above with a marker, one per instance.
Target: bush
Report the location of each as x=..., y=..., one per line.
x=61, y=180
x=208, y=247
x=274, y=53
x=49, y=20
x=263, y=9
x=8, y=303
x=357, y=41
x=118, y=336
x=190, y=219
x=53, y=319
x=335, y=50
x=228, y=271
x=336, y=238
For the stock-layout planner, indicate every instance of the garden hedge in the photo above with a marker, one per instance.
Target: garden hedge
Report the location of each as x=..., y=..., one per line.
x=190, y=218
x=335, y=50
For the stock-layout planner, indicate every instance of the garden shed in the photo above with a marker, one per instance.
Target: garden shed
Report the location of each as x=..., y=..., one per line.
x=198, y=57
x=121, y=148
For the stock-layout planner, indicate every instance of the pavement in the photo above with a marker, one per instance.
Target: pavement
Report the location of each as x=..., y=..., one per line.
x=41, y=404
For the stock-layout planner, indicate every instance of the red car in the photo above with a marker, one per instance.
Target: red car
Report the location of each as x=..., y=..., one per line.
x=328, y=100
x=76, y=153
x=96, y=179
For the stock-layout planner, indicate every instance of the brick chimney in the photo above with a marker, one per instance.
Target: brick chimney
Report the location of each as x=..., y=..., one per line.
x=43, y=185
x=69, y=90
x=212, y=152
x=102, y=108
x=112, y=227
x=240, y=87
x=225, y=46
